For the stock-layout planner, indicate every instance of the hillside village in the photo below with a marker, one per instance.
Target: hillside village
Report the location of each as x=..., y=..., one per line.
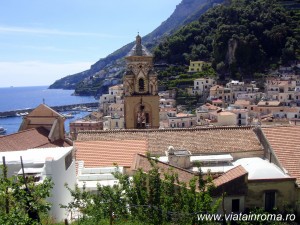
x=247, y=139
x=236, y=103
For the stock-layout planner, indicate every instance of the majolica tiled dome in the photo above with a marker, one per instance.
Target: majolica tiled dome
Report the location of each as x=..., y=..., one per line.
x=139, y=49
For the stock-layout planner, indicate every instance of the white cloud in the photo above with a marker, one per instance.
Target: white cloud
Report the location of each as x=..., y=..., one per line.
x=34, y=73
x=26, y=30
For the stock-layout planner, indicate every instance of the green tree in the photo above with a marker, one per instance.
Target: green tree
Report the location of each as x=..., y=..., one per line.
x=22, y=201
x=155, y=197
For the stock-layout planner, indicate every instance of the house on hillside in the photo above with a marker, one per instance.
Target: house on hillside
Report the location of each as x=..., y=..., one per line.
x=196, y=66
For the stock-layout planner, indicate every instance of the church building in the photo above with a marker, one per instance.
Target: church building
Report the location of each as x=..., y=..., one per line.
x=141, y=100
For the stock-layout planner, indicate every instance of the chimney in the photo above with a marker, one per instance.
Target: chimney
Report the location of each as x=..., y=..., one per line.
x=179, y=158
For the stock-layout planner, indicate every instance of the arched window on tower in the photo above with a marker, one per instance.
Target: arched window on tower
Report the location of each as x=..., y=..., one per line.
x=141, y=85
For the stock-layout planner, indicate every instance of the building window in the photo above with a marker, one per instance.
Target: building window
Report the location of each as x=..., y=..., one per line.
x=68, y=160
x=235, y=205
x=141, y=85
x=270, y=200
x=147, y=118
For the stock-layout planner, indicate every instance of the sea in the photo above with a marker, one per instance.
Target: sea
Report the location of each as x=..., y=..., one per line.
x=13, y=98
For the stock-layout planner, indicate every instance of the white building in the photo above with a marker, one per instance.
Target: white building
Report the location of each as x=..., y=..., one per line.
x=104, y=102
x=181, y=120
x=55, y=163
x=116, y=90
x=115, y=109
x=90, y=178
x=240, y=90
x=226, y=119
x=115, y=95
x=167, y=103
x=242, y=116
x=202, y=86
x=113, y=122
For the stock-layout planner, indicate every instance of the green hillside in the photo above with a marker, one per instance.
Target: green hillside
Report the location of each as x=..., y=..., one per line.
x=240, y=38
x=293, y=6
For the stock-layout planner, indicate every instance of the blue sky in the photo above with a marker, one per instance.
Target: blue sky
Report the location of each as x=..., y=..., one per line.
x=44, y=40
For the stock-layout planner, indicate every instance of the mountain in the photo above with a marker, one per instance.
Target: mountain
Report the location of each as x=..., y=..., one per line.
x=243, y=39
x=109, y=70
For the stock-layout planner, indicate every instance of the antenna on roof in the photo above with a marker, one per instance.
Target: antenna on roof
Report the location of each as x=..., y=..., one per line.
x=43, y=101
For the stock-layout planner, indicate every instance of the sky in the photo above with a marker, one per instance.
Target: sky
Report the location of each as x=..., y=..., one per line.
x=44, y=40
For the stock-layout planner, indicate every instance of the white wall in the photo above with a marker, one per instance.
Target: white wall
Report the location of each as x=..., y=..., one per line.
x=60, y=194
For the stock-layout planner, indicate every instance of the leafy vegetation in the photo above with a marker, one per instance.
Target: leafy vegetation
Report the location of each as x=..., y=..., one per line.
x=239, y=38
x=147, y=198
x=177, y=76
x=21, y=202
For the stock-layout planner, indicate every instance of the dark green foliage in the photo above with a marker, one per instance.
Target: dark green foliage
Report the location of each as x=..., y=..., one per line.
x=20, y=202
x=242, y=37
x=155, y=197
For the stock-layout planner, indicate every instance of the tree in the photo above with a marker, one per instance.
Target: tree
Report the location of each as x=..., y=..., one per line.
x=23, y=201
x=155, y=197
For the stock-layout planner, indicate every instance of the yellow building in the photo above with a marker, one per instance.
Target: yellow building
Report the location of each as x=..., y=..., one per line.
x=141, y=101
x=196, y=66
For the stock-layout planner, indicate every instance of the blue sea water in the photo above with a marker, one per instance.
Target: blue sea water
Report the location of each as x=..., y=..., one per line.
x=30, y=97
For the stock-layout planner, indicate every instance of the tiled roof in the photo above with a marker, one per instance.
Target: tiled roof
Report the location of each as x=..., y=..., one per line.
x=196, y=140
x=285, y=142
x=106, y=153
x=167, y=109
x=230, y=175
x=242, y=102
x=217, y=101
x=141, y=162
x=216, y=87
x=28, y=139
x=119, y=86
x=268, y=103
x=226, y=113
x=185, y=115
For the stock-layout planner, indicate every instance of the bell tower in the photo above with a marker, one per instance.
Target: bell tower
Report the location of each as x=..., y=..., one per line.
x=141, y=101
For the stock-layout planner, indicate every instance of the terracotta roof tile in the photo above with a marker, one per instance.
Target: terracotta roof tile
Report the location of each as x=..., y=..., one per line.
x=230, y=175
x=106, y=153
x=28, y=139
x=141, y=162
x=285, y=142
x=196, y=140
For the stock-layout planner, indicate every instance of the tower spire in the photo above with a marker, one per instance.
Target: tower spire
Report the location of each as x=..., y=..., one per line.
x=138, y=47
